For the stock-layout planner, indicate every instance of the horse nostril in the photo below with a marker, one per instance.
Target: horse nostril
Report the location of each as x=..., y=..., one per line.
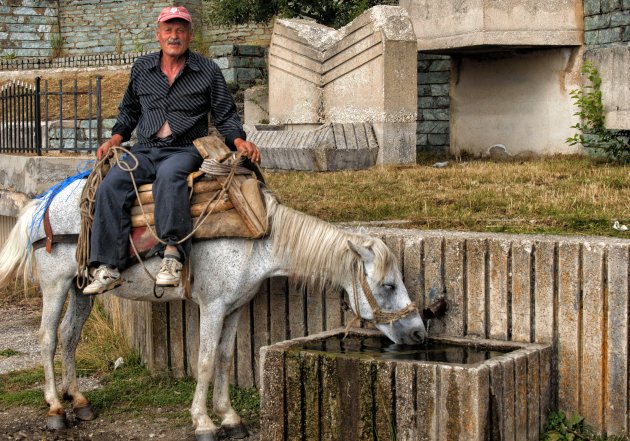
x=418, y=336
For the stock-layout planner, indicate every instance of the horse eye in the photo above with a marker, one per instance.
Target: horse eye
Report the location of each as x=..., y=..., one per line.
x=389, y=286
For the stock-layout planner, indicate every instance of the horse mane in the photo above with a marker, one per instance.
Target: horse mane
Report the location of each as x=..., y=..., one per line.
x=317, y=252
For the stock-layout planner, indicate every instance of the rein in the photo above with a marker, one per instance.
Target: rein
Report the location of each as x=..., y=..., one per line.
x=378, y=315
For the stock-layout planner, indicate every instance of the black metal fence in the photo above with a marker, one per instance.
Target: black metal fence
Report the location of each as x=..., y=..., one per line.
x=34, y=117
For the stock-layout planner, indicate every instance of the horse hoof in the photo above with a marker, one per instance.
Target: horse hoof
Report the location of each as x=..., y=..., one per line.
x=84, y=413
x=56, y=422
x=236, y=432
x=206, y=437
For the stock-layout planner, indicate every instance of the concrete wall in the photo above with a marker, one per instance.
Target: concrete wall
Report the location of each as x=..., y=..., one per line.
x=519, y=100
x=27, y=27
x=572, y=293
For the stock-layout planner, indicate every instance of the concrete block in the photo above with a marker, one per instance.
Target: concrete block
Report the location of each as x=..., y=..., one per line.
x=343, y=396
x=616, y=404
x=451, y=27
x=331, y=147
x=613, y=63
x=317, y=75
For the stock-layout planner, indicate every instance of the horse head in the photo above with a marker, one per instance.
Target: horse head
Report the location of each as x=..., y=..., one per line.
x=379, y=295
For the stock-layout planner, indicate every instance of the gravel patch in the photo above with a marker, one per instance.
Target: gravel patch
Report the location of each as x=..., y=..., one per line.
x=18, y=332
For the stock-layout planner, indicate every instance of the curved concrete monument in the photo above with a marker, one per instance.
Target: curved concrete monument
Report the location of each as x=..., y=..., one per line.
x=364, y=72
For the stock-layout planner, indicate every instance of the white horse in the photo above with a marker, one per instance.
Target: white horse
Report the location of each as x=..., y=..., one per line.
x=227, y=274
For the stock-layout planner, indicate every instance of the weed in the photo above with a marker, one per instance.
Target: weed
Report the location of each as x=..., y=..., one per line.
x=118, y=45
x=561, y=428
x=9, y=55
x=593, y=134
x=56, y=43
x=138, y=46
x=8, y=353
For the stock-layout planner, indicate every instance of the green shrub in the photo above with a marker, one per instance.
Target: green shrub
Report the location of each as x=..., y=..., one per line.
x=334, y=13
x=593, y=134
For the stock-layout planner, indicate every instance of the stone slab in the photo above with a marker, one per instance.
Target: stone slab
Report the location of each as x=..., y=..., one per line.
x=447, y=27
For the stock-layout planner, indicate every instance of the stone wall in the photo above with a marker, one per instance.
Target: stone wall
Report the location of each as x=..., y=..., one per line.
x=28, y=28
x=432, y=134
x=31, y=29
x=606, y=22
x=112, y=26
x=69, y=62
x=249, y=33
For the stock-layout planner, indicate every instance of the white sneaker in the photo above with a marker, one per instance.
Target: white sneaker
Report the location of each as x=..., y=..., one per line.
x=170, y=272
x=104, y=279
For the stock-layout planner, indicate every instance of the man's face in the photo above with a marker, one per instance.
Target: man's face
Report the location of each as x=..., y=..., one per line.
x=174, y=37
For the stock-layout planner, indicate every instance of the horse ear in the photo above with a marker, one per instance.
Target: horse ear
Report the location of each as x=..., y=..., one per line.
x=366, y=254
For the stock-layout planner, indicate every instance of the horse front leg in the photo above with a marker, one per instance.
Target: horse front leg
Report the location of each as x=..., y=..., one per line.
x=231, y=423
x=77, y=312
x=54, y=292
x=210, y=326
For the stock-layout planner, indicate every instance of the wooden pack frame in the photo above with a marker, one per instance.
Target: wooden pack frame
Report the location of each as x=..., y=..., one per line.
x=241, y=214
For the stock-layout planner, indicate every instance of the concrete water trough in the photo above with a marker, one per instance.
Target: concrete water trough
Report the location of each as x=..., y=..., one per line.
x=362, y=387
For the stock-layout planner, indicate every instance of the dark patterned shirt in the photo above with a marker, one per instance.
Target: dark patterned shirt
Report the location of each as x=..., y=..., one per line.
x=199, y=88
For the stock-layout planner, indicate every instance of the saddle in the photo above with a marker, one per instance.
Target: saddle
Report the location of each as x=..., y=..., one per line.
x=241, y=212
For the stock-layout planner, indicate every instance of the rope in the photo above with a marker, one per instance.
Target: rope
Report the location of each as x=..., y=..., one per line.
x=378, y=315
x=86, y=206
x=212, y=167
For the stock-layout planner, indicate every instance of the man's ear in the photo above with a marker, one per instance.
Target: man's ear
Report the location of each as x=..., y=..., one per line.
x=366, y=254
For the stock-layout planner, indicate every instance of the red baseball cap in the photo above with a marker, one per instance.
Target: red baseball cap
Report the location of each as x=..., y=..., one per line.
x=172, y=12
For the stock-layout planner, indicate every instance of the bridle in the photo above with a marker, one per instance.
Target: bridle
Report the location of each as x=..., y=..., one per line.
x=378, y=315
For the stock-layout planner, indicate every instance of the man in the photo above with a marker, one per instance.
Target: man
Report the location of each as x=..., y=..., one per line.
x=167, y=100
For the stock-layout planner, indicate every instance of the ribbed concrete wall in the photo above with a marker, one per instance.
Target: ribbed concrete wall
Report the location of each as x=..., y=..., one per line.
x=6, y=224
x=567, y=291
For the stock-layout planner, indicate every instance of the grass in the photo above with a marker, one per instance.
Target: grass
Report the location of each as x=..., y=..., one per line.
x=113, y=85
x=558, y=195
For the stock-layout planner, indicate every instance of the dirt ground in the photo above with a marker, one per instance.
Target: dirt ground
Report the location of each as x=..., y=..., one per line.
x=26, y=423
x=18, y=327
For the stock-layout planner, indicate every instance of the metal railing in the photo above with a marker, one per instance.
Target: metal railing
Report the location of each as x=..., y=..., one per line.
x=33, y=117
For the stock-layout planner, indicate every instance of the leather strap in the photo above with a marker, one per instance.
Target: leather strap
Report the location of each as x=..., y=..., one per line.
x=49, y=232
x=59, y=238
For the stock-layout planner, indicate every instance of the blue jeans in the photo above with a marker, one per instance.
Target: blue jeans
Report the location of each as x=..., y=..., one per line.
x=167, y=168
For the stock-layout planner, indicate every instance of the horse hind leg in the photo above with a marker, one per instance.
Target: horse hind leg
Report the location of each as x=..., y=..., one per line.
x=77, y=312
x=231, y=423
x=54, y=292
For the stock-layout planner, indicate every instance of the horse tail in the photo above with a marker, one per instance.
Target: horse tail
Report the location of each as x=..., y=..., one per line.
x=15, y=254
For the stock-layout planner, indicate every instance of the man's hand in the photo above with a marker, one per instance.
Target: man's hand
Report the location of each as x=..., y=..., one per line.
x=104, y=149
x=249, y=148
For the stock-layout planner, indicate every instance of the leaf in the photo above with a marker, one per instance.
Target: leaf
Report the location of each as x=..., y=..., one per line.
x=575, y=420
